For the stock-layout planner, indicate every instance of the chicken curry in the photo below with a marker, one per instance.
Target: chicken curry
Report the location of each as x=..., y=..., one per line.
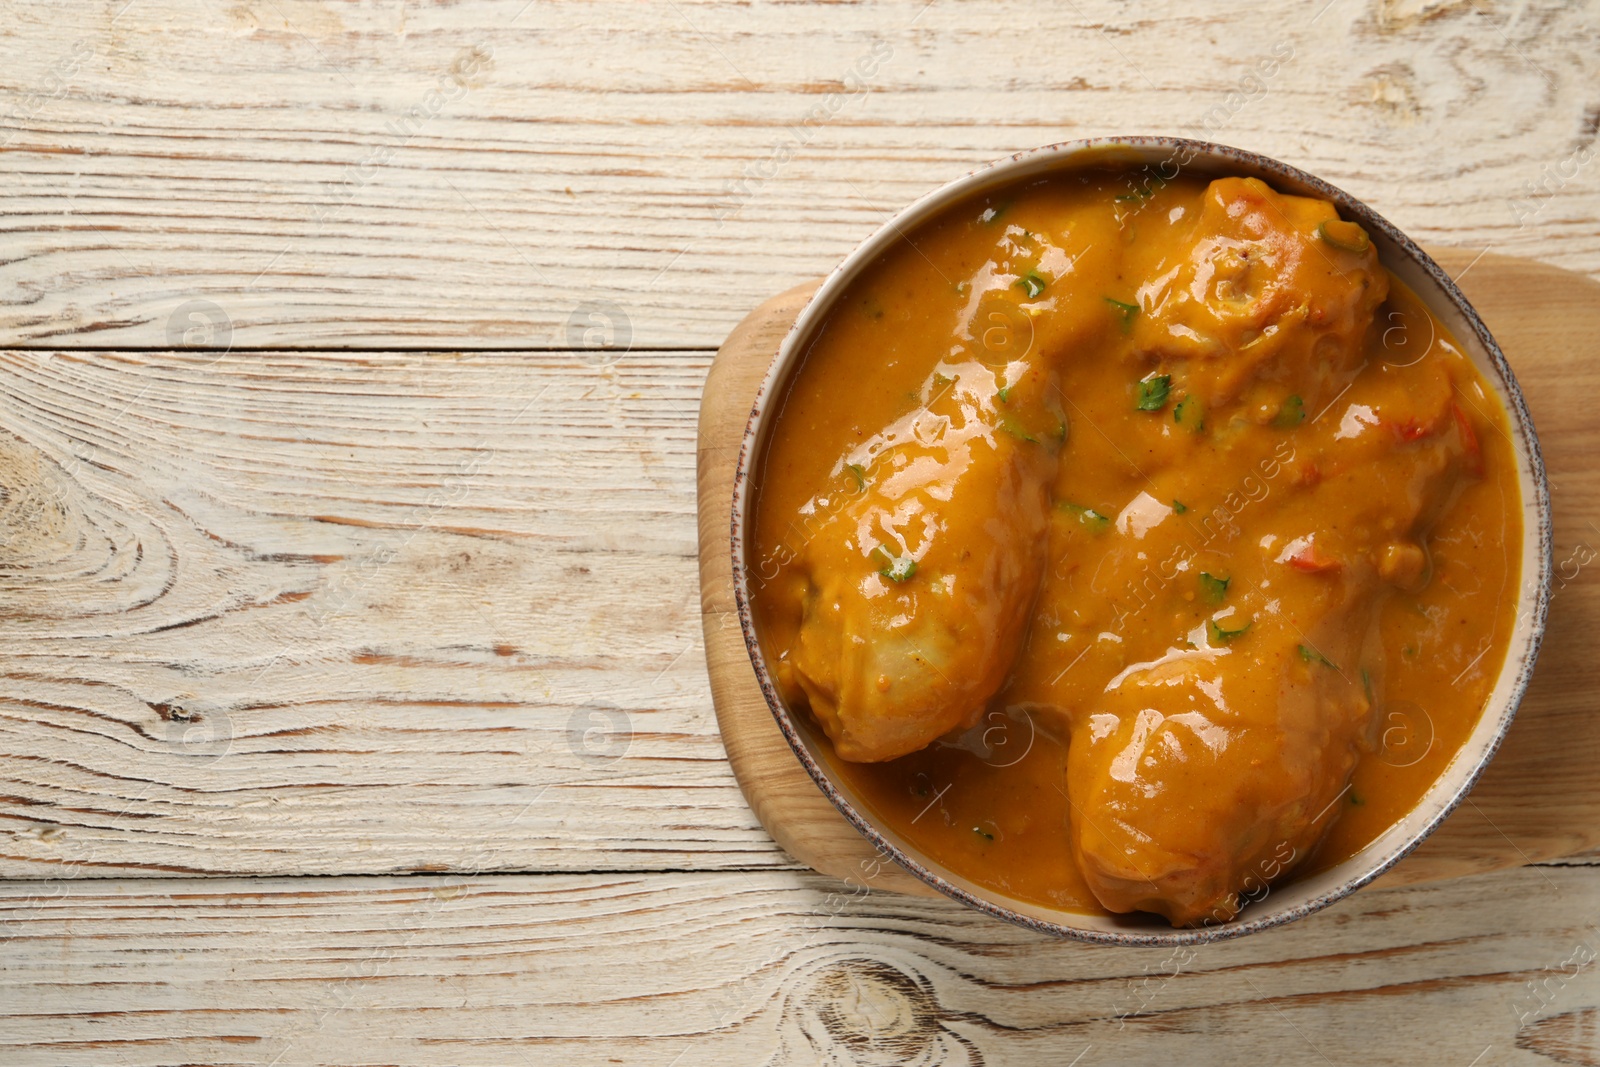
x=1134, y=545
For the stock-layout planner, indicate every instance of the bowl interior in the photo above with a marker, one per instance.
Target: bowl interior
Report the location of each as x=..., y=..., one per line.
x=1299, y=895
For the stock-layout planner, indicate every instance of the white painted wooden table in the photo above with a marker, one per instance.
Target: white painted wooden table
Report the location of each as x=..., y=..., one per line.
x=332, y=544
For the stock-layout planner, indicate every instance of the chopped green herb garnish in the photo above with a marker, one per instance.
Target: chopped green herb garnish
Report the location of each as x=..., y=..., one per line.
x=1223, y=637
x=1091, y=518
x=1291, y=414
x=1139, y=196
x=1189, y=412
x=942, y=380
x=1409, y=651
x=1366, y=683
x=1151, y=394
x=1355, y=798
x=1345, y=235
x=1125, y=312
x=1031, y=284
x=1213, y=588
x=1015, y=429
x=1311, y=655
x=981, y=832
x=1004, y=393
x=859, y=473
x=900, y=569
x=1179, y=506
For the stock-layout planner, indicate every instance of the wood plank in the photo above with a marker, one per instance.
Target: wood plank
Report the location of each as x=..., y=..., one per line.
x=1537, y=800
x=771, y=967
x=287, y=161
x=277, y=614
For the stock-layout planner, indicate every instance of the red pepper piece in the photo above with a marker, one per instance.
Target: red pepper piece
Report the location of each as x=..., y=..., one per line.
x=1411, y=429
x=1312, y=560
x=1469, y=439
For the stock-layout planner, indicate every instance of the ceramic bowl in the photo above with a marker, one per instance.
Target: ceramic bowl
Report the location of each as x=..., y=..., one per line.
x=1296, y=896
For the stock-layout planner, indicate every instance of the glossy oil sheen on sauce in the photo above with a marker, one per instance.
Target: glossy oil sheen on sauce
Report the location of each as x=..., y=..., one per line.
x=1233, y=541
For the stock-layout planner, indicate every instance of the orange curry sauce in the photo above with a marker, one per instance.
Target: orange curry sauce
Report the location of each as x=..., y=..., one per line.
x=1137, y=545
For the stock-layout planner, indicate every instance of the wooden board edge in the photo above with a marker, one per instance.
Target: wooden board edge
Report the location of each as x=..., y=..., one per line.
x=783, y=797
x=768, y=774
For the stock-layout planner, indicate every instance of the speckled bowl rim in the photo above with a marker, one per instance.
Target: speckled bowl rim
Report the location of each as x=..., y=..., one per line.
x=1065, y=157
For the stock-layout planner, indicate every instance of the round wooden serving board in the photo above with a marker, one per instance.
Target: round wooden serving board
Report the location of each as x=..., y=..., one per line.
x=1539, y=799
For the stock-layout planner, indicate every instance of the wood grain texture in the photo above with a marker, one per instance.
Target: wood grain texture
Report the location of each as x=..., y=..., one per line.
x=284, y=614
x=477, y=173
x=779, y=968
x=297, y=614
x=1540, y=797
